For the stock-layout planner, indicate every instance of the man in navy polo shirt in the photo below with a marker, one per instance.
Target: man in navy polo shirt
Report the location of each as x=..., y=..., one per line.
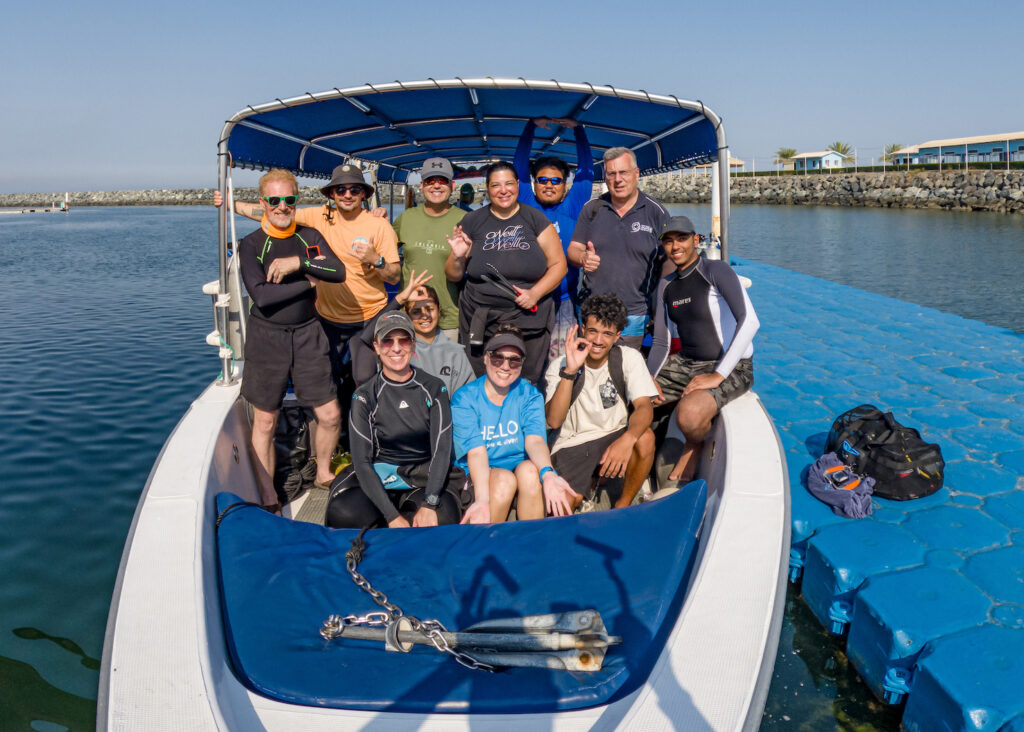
x=616, y=244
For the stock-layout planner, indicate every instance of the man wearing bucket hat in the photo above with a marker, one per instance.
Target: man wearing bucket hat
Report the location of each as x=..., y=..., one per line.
x=422, y=232
x=400, y=428
x=364, y=243
x=703, y=307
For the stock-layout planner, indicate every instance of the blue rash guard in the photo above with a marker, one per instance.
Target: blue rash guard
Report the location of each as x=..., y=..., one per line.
x=502, y=429
x=563, y=215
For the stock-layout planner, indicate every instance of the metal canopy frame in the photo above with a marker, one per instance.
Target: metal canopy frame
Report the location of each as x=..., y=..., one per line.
x=363, y=132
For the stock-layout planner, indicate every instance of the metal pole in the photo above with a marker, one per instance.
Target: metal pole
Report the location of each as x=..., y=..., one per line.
x=391, y=200
x=221, y=320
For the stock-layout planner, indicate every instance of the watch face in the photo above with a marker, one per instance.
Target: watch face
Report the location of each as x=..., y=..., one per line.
x=433, y=500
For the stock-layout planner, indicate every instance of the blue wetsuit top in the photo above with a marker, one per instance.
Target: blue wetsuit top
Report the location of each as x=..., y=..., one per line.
x=563, y=215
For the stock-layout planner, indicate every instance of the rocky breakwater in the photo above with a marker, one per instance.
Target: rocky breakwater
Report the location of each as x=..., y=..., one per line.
x=163, y=197
x=956, y=190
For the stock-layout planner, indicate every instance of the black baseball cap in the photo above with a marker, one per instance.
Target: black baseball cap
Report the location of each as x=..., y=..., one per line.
x=678, y=225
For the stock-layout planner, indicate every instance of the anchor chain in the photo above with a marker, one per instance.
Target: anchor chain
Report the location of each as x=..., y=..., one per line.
x=335, y=625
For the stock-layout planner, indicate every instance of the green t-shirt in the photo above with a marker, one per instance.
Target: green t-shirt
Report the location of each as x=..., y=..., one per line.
x=425, y=247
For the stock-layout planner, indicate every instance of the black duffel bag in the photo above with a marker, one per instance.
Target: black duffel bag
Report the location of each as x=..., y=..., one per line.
x=873, y=443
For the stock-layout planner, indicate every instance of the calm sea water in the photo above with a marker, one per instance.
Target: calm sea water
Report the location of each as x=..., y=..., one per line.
x=102, y=350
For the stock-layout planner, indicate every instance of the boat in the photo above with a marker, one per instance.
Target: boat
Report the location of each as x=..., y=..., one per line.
x=663, y=615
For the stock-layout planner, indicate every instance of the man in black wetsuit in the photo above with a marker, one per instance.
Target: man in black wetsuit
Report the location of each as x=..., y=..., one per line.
x=281, y=265
x=400, y=433
x=703, y=308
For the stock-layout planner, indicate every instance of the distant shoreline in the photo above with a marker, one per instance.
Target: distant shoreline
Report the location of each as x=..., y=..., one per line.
x=957, y=190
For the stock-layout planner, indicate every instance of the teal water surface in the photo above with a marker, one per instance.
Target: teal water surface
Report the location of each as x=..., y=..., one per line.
x=102, y=350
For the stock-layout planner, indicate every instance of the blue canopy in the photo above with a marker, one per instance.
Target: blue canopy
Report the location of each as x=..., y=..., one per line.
x=397, y=126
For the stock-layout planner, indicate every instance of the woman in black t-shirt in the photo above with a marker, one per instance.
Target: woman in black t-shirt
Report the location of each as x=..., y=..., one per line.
x=512, y=260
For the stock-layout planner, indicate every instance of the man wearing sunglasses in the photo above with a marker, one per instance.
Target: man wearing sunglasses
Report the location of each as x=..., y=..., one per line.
x=281, y=266
x=560, y=203
x=599, y=398
x=422, y=233
x=366, y=244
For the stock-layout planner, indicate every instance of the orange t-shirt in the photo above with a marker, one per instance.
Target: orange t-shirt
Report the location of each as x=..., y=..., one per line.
x=361, y=295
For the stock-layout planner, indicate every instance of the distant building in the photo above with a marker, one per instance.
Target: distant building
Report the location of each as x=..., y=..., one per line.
x=735, y=166
x=818, y=160
x=954, y=151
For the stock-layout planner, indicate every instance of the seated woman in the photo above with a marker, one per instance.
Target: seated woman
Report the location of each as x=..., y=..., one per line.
x=400, y=439
x=501, y=440
x=512, y=260
x=434, y=352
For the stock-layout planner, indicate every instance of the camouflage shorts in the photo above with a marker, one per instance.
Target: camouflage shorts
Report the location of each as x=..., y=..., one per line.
x=679, y=371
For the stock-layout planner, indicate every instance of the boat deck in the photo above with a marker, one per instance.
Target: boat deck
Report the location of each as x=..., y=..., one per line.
x=928, y=594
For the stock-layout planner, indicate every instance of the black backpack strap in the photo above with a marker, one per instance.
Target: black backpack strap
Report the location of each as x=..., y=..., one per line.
x=614, y=370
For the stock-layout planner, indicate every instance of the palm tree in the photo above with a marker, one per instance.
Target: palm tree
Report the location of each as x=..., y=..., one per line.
x=842, y=148
x=890, y=150
x=784, y=155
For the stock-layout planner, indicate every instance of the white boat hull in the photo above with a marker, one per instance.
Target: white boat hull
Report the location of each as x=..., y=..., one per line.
x=165, y=663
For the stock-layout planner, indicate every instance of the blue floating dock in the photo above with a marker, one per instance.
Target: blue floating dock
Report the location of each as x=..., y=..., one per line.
x=928, y=593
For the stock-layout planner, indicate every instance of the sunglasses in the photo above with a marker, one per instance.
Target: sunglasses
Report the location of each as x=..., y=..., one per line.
x=544, y=180
x=275, y=201
x=351, y=190
x=436, y=180
x=403, y=341
x=497, y=359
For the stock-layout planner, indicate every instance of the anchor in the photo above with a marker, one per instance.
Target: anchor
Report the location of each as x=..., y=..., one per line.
x=572, y=641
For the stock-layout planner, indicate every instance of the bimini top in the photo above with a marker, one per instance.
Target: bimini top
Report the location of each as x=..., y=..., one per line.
x=397, y=126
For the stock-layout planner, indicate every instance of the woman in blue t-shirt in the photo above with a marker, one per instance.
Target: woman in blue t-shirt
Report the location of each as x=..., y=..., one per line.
x=512, y=261
x=501, y=440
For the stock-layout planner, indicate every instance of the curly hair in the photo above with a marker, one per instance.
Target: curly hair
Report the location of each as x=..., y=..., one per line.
x=607, y=308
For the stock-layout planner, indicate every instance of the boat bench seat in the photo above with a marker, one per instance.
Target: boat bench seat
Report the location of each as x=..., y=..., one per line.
x=280, y=579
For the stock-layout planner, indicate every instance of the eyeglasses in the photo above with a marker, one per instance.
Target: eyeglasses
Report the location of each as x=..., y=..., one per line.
x=275, y=201
x=351, y=190
x=497, y=359
x=544, y=180
x=403, y=341
x=422, y=311
x=436, y=180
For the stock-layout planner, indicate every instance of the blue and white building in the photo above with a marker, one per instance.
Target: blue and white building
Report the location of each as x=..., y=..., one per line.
x=825, y=159
x=1000, y=148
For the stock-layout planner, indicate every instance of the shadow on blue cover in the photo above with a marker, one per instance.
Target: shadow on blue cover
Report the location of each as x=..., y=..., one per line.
x=281, y=579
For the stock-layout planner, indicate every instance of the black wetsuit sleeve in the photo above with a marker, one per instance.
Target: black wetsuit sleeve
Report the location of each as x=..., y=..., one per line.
x=265, y=293
x=361, y=445
x=660, y=338
x=440, y=442
x=328, y=269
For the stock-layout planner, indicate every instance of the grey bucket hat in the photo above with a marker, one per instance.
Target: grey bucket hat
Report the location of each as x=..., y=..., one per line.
x=347, y=174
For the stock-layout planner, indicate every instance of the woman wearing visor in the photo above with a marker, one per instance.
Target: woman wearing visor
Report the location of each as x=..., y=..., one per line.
x=501, y=440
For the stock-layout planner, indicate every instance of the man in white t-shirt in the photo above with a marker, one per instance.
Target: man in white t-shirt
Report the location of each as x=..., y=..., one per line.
x=599, y=398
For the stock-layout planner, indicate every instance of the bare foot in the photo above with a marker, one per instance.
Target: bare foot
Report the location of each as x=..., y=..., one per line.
x=686, y=467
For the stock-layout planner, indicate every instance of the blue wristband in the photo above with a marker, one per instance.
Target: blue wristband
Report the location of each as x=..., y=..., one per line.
x=545, y=470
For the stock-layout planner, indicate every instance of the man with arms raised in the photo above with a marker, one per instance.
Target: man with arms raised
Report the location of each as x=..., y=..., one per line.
x=703, y=307
x=422, y=233
x=281, y=265
x=599, y=398
x=616, y=242
x=560, y=203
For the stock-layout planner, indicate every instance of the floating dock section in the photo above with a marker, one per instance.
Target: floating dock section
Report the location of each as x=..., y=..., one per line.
x=927, y=594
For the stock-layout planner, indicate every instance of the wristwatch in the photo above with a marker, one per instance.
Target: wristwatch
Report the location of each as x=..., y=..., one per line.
x=379, y=264
x=432, y=501
x=568, y=375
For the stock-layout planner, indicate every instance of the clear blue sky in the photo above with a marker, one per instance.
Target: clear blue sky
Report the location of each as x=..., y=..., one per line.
x=117, y=95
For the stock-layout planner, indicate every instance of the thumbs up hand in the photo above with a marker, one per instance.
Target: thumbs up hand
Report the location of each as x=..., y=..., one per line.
x=591, y=261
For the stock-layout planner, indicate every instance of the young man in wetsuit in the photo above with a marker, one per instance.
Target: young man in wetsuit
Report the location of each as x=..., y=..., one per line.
x=703, y=308
x=605, y=438
x=616, y=242
x=560, y=203
x=281, y=265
